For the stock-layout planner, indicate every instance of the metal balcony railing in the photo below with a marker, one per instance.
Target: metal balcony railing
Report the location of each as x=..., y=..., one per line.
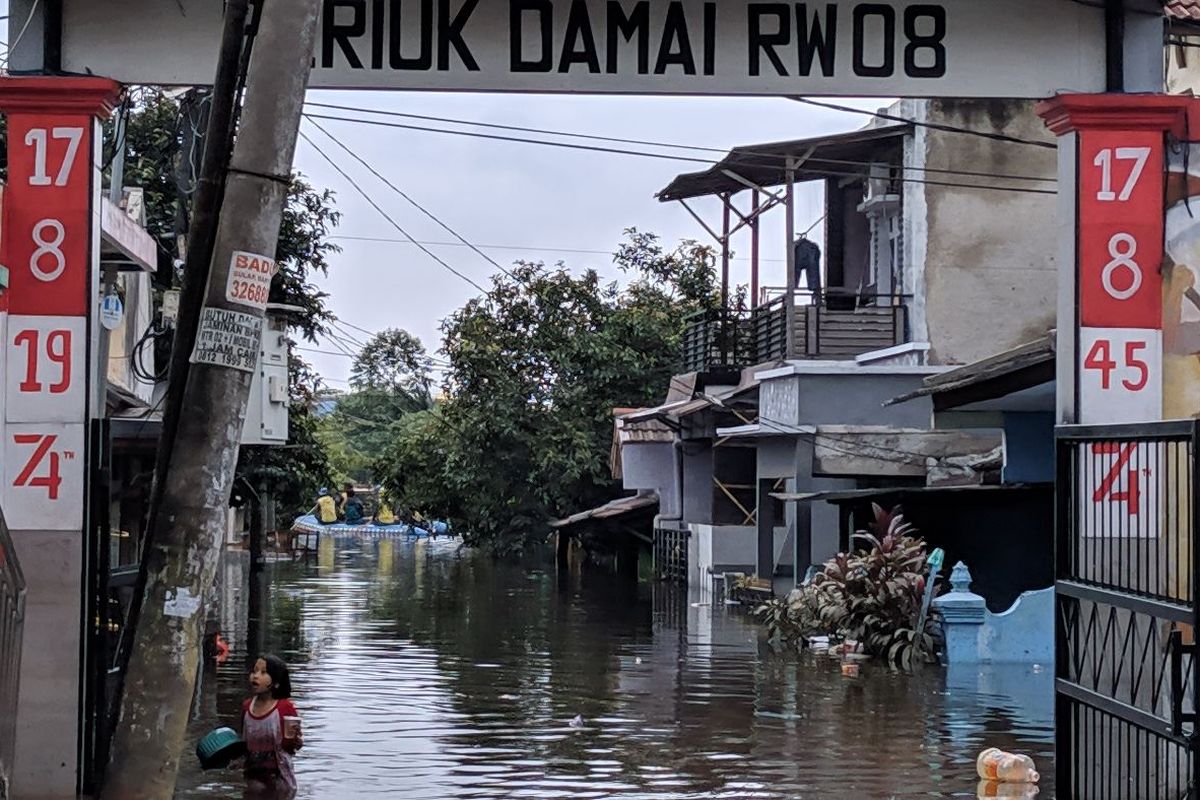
x=12, y=618
x=832, y=326
x=718, y=338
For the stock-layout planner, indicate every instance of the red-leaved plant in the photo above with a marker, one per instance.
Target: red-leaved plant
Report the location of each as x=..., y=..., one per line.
x=872, y=596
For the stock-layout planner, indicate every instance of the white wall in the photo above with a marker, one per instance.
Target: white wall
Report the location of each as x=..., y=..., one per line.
x=717, y=548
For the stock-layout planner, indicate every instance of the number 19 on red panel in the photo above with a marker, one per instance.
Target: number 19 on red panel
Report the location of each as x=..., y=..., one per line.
x=1120, y=375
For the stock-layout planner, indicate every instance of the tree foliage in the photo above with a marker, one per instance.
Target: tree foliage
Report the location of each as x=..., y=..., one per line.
x=537, y=366
x=394, y=361
x=390, y=379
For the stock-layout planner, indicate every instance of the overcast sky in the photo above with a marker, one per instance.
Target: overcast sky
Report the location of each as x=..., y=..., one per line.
x=540, y=201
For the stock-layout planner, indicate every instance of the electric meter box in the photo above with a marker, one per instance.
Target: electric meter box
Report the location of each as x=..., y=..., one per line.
x=267, y=411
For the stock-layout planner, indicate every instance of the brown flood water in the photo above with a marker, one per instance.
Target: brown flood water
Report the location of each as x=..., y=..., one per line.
x=425, y=672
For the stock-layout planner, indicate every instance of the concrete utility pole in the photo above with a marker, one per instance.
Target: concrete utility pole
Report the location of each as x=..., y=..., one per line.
x=150, y=733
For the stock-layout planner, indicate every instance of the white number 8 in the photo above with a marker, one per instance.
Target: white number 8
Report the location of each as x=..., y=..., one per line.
x=1123, y=248
x=48, y=247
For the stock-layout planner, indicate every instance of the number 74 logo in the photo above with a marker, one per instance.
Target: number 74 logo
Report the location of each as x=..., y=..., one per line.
x=42, y=468
x=44, y=475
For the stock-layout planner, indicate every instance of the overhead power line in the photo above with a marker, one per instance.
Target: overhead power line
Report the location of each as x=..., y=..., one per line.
x=742, y=151
x=662, y=156
x=517, y=139
x=409, y=199
x=519, y=248
x=384, y=214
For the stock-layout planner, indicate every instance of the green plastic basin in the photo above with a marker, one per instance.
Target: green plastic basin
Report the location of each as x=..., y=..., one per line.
x=220, y=747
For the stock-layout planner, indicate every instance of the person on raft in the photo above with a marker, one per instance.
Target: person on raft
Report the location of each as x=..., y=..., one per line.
x=352, y=507
x=326, y=511
x=384, y=514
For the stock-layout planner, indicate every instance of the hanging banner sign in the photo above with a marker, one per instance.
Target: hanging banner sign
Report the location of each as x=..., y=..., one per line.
x=946, y=48
x=228, y=339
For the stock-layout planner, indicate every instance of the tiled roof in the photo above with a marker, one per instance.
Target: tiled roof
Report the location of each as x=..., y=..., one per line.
x=1184, y=9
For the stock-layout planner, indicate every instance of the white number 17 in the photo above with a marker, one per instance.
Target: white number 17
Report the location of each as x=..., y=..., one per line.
x=36, y=138
x=1104, y=159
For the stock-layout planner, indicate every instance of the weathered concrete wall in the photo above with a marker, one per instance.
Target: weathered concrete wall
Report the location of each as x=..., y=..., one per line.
x=651, y=465
x=48, y=705
x=985, y=259
x=857, y=398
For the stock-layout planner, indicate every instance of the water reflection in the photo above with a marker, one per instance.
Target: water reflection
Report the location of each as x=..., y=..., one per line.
x=423, y=672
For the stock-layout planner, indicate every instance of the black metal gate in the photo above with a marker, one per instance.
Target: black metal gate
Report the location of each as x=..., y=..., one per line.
x=1126, y=612
x=671, y=555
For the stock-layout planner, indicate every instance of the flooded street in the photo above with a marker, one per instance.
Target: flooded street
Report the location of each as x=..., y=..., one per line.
x=423, y=672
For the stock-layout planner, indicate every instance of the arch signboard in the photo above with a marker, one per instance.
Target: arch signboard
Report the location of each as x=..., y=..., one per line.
x=887, y=48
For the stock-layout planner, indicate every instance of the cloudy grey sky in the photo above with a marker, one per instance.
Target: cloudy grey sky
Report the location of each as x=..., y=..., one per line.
x=540, y=201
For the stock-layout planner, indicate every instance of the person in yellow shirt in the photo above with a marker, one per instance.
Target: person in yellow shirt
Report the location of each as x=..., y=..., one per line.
x=384, y=514
x=326, y=508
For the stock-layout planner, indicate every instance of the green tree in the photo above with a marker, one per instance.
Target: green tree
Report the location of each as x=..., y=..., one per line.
x=390, y=379
x=394, y=361
x=536, y=368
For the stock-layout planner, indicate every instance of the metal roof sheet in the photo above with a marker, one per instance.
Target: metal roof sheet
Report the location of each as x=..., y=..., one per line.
x=765, y=164
x=616, y=508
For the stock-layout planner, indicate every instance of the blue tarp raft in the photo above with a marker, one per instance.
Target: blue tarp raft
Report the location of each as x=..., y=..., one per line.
x=369, y=530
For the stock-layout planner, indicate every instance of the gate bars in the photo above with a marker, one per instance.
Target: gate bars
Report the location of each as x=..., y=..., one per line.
x=1126, y=612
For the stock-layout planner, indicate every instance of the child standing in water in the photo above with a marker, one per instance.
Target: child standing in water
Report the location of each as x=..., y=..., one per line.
x=271, y=739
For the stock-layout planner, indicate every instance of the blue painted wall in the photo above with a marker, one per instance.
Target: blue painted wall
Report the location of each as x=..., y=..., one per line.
x=1029, y=447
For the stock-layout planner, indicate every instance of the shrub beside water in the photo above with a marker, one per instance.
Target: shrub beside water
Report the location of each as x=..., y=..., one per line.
x=872, y=596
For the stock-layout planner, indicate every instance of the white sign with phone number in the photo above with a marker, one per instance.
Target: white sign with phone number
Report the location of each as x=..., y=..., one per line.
x=249, y=281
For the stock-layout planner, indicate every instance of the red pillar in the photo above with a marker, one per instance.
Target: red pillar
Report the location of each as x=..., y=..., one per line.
x=1112, y=183
x=50, y=244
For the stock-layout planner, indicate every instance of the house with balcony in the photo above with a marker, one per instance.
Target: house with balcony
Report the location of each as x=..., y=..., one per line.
x=939, y=236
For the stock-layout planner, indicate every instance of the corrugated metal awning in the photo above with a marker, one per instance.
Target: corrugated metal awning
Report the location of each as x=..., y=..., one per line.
x=843, y=154
x=617, y=508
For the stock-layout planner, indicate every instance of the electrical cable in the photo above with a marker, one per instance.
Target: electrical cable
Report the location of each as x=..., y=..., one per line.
x=526, y=249
x=676, y=146
x=385, y=215
x=996, y=137
x=411, y=201
x=661, y=156
x=136, y=364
